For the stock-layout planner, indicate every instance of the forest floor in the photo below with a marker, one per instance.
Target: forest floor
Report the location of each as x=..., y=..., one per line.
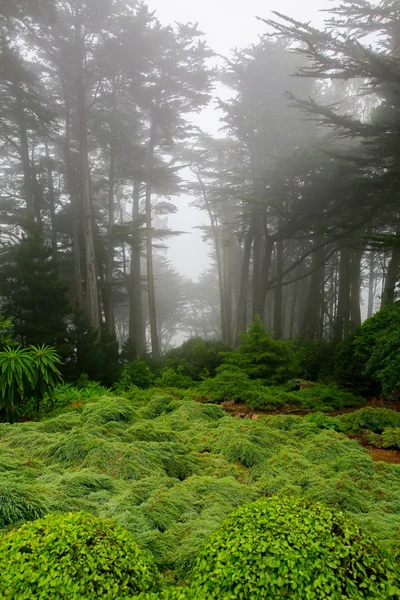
x=377, y=454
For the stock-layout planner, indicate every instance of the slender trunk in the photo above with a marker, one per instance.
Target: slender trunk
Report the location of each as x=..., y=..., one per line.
x=224, y=309
x=136, y=333
x=109, y=305
x=342, y=324
x=278, y=294
x=71, y=186
x=52, y=200
x=262, y=286
x=241, y=319
x=371, y=285
x=155, y=344
x=355, y=287
x=293, y=310
x=314, y=305
x=92, y=299
x=392, y=277
x=24, y=154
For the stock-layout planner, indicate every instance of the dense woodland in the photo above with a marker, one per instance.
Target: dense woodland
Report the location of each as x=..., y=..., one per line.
x=123, y=449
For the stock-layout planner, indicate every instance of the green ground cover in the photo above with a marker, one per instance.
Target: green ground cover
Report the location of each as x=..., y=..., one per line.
x=170, y=469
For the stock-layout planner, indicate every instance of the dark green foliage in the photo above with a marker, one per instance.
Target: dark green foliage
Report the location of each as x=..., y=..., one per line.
x=371, y=353
x=135, y=373
x=73, y=556
x=200, y=358
x=262, y=357
x=314, y=358
x=6, y=331
x=34, y=295
x=96, y=354
x=293, y=548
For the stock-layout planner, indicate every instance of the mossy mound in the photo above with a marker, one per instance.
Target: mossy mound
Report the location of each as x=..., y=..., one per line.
x=293, y=548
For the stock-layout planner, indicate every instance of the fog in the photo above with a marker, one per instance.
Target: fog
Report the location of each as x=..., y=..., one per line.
x=227, y=24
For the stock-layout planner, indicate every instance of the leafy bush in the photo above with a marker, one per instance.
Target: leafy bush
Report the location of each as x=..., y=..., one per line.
x=134, y=374
x=261, y=357
x=293, y=548
x=372, y=419
x=175, y=593
x=173, y=378
x=230, y=383
x=371, y=353
x=200, y=358
x=326, y=397
x=73, y=556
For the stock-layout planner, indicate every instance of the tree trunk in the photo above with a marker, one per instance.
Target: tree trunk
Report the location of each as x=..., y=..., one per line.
x=314, y=305
x=355, y=288
x=241, y=319
x=136, y=333
x=371, y=285
x=92, y=299
x=109, y=306
x=278, y=294
x=71, y=186
x=52, y=200
x=342, y=324
x=293, y=310
x=155, y=344
x=262, y=285
x=392, y=277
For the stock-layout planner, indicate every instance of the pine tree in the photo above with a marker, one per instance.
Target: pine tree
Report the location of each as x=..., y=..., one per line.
x=33, y=293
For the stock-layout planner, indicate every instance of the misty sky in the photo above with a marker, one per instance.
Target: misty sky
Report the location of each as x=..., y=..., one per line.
x=227, y=24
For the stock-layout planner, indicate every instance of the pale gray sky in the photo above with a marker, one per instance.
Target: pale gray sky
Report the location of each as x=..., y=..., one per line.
x=227, y=24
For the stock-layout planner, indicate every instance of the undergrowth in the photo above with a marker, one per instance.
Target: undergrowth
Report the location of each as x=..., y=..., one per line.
x=170, y=469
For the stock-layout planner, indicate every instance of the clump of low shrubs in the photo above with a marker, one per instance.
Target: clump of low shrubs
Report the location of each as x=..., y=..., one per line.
x=262, y=357
x=174, y=378
x=293, y=548
x=73, y=556
x=369, y=356
x=135, y=374
x=196, y=357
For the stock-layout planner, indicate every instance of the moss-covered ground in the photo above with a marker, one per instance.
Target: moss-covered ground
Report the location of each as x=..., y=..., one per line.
x=170, y=469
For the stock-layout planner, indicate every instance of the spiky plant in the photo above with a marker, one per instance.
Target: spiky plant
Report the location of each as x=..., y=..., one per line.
x=16, y=379
x=46, y=374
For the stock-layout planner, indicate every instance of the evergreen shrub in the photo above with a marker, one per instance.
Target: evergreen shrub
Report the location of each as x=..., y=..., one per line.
x=293, y=548
x=73, y=556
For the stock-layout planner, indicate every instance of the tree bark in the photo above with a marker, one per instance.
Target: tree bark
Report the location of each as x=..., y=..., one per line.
x=155, y=343
x=72, y=190
x=136, y=333
x=342, y=323
x=241, y=320
x=392, y=277
x=109, y=305
x=92, y=299
x=278, y=295
x=314, y=306
x=371, y=285
x=355, y=288
x=52, y=200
